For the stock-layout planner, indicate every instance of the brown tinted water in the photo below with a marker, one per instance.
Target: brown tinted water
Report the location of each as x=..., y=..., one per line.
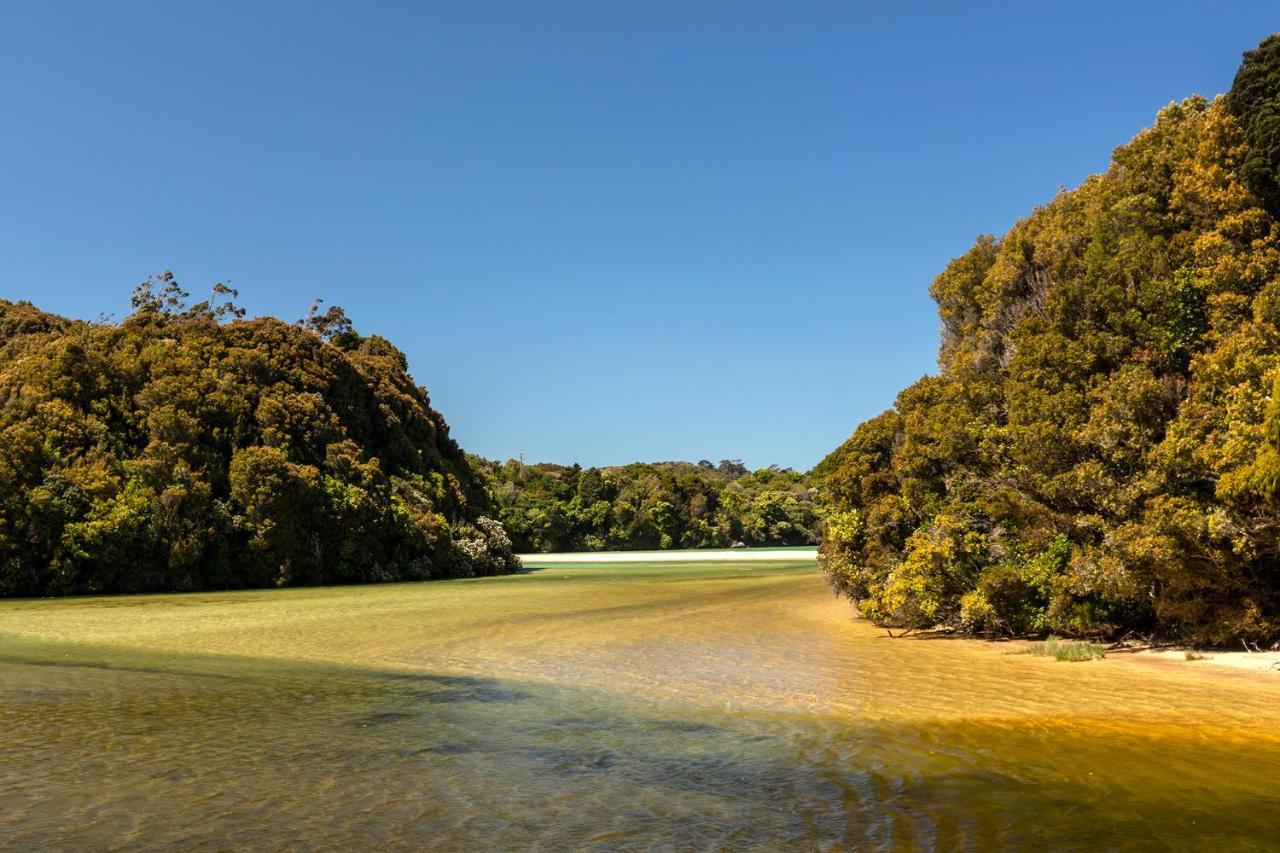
x=622, y=706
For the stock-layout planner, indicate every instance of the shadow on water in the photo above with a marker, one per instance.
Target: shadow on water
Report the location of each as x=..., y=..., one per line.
x=100, y=752
x=117, y=667
x=439, y=689
x=447, y=749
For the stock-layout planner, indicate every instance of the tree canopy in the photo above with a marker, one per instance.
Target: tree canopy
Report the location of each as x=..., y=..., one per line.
x=651, y=505
x=1100, y=449
x=187, y=448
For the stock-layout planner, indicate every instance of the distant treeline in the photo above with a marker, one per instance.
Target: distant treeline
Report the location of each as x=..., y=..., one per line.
x=1100, y=450
x=650, y=506
x=187, y=448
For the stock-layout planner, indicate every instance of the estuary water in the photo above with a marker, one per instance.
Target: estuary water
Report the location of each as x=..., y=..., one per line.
x=731, y=705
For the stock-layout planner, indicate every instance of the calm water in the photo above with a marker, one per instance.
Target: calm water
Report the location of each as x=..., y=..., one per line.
x=682, y=706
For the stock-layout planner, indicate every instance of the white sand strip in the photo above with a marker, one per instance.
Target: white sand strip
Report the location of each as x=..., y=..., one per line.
x=735, y=555
x=1268, y=662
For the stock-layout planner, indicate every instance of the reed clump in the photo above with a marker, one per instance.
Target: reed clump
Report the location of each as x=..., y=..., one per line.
x=1059, y=649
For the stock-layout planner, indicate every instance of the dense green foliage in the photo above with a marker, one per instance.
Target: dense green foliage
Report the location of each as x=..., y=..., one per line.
x=1252, y=101
x=1100, y=450
x=187, y=448
x=651, y=506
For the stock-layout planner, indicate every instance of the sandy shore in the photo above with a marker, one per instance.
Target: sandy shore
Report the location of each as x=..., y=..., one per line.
x=735, y=555
x=1226, y=662
x=1242, y=661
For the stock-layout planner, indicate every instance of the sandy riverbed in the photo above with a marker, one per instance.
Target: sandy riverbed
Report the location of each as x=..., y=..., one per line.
x=627, y=705
x=1221, y=662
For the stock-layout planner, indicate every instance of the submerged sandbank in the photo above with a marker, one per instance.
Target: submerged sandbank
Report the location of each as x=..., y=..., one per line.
x=710, y=555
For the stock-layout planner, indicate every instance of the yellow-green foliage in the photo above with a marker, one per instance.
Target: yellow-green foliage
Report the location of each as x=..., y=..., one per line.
x=1101, y=447
x=187, y=448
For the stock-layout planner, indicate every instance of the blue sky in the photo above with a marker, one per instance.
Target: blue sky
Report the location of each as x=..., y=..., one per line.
x=601, y=231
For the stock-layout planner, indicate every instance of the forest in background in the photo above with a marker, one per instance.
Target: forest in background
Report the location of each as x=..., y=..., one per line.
x=651, y=506
x=1100, y=450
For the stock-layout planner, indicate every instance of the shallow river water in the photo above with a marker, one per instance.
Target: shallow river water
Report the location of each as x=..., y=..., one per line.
x=684, y=706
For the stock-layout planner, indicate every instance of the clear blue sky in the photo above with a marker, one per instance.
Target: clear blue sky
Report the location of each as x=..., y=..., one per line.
x=601, y=231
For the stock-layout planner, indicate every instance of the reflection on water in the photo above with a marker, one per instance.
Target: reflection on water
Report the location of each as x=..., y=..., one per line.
x=684, y=708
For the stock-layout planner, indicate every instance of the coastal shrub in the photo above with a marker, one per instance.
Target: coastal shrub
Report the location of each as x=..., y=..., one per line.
x=487, y=548
x=1013, y=596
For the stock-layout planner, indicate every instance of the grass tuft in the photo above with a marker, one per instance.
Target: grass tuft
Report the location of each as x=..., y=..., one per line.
x=1059, y=649
x=1189, y=654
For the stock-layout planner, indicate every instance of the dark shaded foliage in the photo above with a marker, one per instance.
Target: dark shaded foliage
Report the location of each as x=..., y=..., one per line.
x=1254, y=100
